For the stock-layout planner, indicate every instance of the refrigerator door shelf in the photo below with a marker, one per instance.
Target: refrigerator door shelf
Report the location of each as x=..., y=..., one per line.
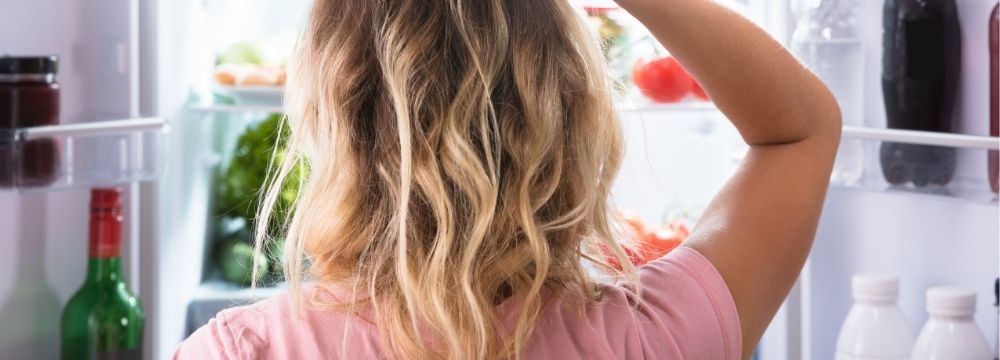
x=916, y=163
x=84, y=155
x=923, y=138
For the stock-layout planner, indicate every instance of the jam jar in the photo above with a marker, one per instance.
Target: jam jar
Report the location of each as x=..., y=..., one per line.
x=29, y=97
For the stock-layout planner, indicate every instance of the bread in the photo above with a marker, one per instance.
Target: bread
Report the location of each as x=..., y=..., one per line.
x=250, y=75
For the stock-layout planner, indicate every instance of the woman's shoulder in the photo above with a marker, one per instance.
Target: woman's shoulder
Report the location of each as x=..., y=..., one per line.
x=235, y=333
x=686, y=295
x=273, y=327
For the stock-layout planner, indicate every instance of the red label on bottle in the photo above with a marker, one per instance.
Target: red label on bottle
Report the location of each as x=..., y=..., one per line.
x=105, y=234
x=105, y=223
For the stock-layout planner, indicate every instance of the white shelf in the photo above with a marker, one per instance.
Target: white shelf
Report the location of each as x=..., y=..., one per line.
x=609, y=4
x=681, y=107
x=238, y=108
x=104, y=153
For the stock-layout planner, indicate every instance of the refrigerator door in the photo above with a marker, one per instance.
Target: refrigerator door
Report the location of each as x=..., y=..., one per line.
x=925, y=240
x=45, y=233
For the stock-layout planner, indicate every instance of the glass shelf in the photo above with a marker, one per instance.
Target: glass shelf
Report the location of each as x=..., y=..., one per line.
x=84, y=155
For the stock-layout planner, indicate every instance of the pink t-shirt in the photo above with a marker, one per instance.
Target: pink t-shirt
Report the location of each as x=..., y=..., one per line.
x=685, y=312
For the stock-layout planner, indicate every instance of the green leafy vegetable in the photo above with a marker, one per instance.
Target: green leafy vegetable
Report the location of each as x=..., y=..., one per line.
x=240, y=190
x=241, y=185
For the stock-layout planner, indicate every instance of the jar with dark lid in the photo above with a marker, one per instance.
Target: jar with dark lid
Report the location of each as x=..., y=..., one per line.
x=29, y=96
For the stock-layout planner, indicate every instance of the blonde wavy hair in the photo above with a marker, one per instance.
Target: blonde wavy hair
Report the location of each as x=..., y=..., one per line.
x=458, y=153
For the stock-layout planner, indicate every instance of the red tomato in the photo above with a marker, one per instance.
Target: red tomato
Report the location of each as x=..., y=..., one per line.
x=661, y=242
x=662, y=80
x=698, y=91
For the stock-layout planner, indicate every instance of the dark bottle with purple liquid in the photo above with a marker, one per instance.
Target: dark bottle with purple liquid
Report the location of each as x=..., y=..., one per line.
x=921, y=67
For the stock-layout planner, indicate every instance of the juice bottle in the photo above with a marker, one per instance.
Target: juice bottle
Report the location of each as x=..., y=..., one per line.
x=920, y=74
x=994, y=96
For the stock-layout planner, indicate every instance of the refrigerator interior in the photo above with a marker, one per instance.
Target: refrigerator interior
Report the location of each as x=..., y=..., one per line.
x=182, y=40
x=205, y=128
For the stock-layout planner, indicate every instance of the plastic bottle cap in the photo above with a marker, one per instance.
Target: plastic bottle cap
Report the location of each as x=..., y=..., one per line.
x=951, y=301
x=875, y=287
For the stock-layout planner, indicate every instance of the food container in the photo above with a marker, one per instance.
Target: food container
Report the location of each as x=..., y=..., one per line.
x=29, y=97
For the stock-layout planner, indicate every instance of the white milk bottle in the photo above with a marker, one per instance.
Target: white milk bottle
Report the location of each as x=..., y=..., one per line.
x=875, y=328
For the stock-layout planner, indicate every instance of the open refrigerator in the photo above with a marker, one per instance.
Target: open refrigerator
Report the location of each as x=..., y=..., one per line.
x=142, y=110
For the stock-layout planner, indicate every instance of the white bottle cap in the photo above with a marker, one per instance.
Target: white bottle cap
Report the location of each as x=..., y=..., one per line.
x=951, y=301
x=875, y=287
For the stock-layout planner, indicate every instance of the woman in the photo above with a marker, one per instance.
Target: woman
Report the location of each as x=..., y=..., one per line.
x=460, y=156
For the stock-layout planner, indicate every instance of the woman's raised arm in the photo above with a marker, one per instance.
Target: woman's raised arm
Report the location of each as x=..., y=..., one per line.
x=759, y=229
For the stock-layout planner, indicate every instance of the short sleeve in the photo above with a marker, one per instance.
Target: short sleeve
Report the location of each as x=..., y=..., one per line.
x=219, y=339
x=685, y=295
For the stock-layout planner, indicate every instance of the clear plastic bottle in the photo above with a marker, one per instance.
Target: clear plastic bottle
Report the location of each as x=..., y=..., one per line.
x=951, y=332
x=875, y=328
x=827, y=40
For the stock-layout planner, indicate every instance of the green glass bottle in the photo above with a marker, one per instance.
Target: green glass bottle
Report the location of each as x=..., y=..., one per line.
x=103, y=320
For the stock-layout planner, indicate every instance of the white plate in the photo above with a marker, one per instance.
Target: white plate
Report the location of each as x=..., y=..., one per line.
x=270, y=95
